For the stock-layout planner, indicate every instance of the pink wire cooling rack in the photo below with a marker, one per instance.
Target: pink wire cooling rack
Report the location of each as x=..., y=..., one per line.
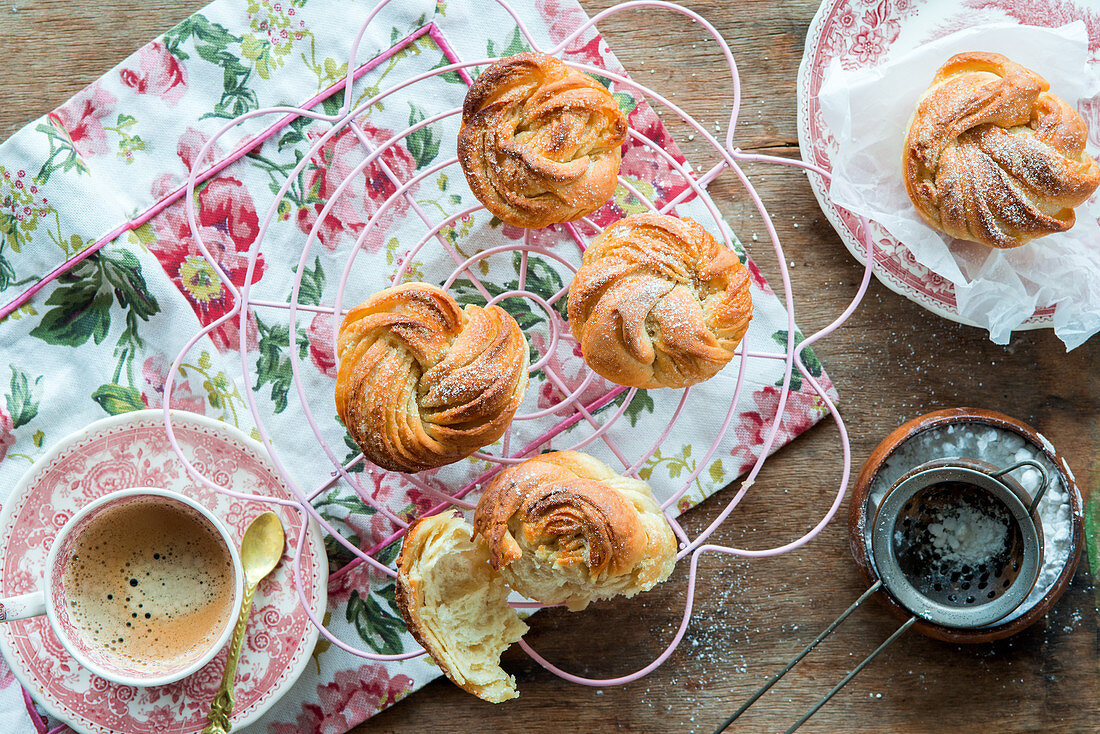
x=731, y=158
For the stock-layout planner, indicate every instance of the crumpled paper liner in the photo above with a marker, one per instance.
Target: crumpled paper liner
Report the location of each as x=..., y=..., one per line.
x=869, y=111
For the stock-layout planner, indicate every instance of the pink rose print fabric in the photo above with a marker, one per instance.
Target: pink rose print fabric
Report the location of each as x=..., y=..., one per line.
x=802, y=407
x=94, y=216
x=154, y=372
x=7, y=435
x=83, y=117
x=228, y=225
x=333, y=164
x=320, y=344
x=350, y=698
x=158, y=72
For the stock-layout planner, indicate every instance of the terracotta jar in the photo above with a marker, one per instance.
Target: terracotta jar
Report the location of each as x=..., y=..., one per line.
x=858, y=517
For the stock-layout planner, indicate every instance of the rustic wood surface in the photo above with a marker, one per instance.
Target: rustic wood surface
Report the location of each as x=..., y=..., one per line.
x=892, y=361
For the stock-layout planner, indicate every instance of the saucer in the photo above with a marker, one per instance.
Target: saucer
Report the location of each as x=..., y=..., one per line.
x=132, y=450
x=860, y=34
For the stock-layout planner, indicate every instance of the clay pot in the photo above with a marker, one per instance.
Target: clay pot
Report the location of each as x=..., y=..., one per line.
x=857, y=519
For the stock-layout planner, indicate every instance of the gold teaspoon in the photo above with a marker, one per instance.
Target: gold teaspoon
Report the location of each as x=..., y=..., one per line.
x=261, y=549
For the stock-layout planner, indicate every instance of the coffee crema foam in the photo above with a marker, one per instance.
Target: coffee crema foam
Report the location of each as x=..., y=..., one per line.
x=149, y=583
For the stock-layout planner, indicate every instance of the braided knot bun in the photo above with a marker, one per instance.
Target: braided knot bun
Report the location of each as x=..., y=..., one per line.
x=456, y=606
x=539, y=141
x=563, y=528
x=993, y=157
x=423, y=382
x=657, y=302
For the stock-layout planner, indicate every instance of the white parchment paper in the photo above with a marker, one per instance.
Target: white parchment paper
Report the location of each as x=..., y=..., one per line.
x=869, y=110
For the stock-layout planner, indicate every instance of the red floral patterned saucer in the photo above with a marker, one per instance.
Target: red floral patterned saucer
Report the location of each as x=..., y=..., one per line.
x=132, y=450
x=859, y=33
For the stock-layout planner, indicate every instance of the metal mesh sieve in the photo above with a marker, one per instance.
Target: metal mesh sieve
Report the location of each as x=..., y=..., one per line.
x=980, y=578
x=940, y=573
x=987, y=514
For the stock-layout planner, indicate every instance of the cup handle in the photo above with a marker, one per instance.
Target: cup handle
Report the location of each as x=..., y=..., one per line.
x=23, y=606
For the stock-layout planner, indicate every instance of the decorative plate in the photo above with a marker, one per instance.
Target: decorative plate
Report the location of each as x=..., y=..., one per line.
x=860, y=33
x=132, y=450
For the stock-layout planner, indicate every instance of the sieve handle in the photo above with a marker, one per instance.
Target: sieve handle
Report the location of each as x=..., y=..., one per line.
x=806, y=650
x=1042, y=487
x=855, y=671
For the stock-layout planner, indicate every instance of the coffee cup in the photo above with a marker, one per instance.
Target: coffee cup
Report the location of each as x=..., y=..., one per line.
x=142, y=586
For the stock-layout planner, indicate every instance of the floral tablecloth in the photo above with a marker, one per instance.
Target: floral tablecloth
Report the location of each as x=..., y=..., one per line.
x=103, y=281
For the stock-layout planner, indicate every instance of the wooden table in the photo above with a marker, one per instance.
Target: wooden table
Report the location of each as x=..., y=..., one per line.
x=893, y=361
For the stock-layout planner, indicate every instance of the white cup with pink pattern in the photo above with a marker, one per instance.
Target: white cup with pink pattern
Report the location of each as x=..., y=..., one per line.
x=142, y=586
